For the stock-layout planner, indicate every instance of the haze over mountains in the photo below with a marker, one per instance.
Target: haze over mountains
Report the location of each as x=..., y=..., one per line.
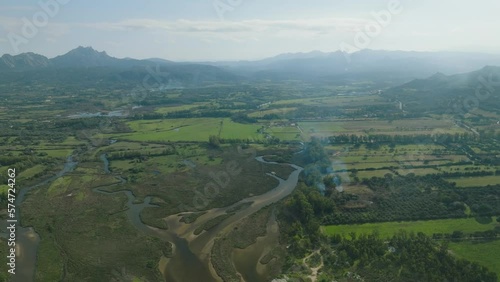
x=454, y=94
x=386, y=68
x=402, y=64
x=316, y=61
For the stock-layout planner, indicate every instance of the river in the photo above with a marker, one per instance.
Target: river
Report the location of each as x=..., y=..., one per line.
x=201, y=244
x=247, y=261
x=27, y=239
x=191, y=256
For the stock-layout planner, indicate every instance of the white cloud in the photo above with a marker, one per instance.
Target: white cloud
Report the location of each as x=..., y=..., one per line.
x=244, y=27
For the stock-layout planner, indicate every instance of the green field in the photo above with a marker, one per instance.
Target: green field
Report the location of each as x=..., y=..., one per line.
x=233, y=130
x=285, y=132
x=417, y=171
x=407, y=159
x=166, y=110
x=484, y=253
x=194, y=129
x=4, y=189
x=334, y=100
x=466, y=168
x=322, y=128
x=72, y=141
x=32, y=171
x=476, y=181
x=372, y=173
x=279, y=112
x=62, y=153
x=429, y=227
x=371, y=126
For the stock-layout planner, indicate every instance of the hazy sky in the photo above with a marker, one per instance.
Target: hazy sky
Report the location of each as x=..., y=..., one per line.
x=244, y=29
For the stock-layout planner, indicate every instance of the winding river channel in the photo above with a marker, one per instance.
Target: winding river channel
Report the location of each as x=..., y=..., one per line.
x=191, y=253
x=27, y=239
x=179, y=269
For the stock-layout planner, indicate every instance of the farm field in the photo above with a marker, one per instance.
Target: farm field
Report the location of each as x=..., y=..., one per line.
x=373, y=173
x=263, y=112
x=285, y=132
x=468, y=168
x=476, y=181
x=166, y=110
x=233, y=130
x=485, y=253
x=405, y=159
x=428, y=227
x=334, y=101
x=326, y=127
x=195, y=129
x=376, y=126
x=32, y=171
x=417, y=171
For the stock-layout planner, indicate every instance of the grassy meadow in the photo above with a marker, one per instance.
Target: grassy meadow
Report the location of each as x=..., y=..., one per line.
x=428, y=227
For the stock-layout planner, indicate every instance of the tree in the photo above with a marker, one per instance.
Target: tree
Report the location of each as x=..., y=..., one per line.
x=456, y=235
x=213, y=141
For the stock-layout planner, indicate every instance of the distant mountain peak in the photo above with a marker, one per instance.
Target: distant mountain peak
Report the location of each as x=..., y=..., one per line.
x=438, y=75
x=23, y=61
x=85, y=57
x=159, y=60
x=86, y=51
x=491, y=68
x=79, y=57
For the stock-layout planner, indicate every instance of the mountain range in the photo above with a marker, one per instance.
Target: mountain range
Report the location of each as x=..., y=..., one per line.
x=455, y=94
x=399, y=66
x=86, y=65
x=384, y=68
x=83, y=57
